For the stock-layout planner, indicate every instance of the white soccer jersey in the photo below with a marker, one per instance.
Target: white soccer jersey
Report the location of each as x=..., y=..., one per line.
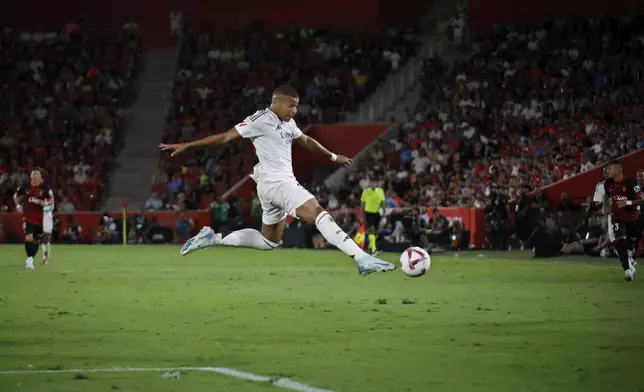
x=48, y=215
x=273, y=139
x=598, y=197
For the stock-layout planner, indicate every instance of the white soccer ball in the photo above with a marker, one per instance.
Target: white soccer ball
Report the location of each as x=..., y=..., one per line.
x=415, y=261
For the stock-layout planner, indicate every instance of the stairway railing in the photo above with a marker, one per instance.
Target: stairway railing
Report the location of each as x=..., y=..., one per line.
x=396, y=85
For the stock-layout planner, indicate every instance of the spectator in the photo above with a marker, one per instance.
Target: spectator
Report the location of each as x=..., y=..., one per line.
x=66, y=206
x=220, y=210
x=256, y=211
x=73, y=232
x=157, y=233
x=154, y=203
x=184, y=227
x=140, y=226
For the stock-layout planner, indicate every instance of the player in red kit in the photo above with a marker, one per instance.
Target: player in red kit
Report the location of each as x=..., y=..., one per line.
x=34, y=196
x=624, y=232
x=640, y=182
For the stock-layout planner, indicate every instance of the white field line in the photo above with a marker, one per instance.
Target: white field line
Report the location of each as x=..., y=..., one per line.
x=280, y=383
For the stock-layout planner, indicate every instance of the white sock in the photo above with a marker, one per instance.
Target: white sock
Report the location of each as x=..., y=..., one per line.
x=45, y=249
x=30, y=261
x=336, y=236
x=248, y=238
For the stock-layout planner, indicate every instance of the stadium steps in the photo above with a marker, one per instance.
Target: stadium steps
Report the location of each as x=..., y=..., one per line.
x=435, y=18
x=139, y=158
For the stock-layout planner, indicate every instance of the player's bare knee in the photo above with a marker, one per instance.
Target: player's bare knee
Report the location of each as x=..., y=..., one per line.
x=29, y=238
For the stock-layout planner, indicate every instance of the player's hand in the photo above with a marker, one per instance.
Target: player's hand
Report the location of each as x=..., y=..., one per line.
x=342, y=160
x=621, y=203
x=175, y=148
x=19, y=208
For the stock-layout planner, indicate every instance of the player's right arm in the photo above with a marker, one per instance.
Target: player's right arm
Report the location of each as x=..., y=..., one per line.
x=16, y=198
x=636, y=195
x=220, y=138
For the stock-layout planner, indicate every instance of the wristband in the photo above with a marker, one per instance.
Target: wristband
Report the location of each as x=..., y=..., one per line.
x=334, y=157
x=629, y=202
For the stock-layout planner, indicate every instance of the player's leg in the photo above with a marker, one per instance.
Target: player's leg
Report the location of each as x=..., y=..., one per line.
x=48, y=226
x=373, y=222
x=633, y=235
x=273, y=222
x=31, y=246
x=618, y=236
x=311, y=212
x=268, y=239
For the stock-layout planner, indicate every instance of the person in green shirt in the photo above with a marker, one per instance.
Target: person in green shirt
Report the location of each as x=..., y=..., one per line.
x=373, y=201
x=256, y=211
x=220, y=209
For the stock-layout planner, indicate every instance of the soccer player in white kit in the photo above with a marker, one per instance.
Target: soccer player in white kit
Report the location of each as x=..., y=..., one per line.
x=47, y=228
x=272, y=132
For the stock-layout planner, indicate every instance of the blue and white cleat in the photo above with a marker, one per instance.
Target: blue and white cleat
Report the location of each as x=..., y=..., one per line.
x=205, y=238
x=368, y=264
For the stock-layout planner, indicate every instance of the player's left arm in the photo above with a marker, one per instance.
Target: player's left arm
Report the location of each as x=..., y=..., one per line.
x=637, y=199
x=49, y=198
x=313, y=145
x=16, y=198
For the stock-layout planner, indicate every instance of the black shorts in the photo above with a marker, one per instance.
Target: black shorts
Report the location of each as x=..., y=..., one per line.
x=33, y=229
x=624, y=229
x=373, y=220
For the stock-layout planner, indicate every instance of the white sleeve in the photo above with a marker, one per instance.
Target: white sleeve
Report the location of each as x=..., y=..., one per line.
x=252, y=126
x=248, y=129
x=598, y=197
x=296, y=132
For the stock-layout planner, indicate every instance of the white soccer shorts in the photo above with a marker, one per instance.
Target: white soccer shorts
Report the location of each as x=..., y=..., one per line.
x=47, y=223
x=281, y=198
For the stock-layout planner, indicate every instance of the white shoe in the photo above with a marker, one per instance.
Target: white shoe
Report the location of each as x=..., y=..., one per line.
x=368, y=264
x=205, y=238
x=29, y=264
x=629, y=274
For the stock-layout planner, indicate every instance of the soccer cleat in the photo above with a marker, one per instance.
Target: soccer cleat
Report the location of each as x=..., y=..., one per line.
x=45, y=260
x=29, y=264
x=205, y=238
x=368, y=264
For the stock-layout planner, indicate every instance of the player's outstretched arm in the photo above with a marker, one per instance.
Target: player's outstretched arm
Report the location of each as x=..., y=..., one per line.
x=220, y=138
x=313, y=145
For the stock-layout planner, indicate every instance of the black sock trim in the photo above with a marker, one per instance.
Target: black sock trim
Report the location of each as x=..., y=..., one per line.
x=320, y=217
x=269, y=243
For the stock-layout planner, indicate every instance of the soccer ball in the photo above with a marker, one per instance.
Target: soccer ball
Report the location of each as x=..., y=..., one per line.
x=415, y=261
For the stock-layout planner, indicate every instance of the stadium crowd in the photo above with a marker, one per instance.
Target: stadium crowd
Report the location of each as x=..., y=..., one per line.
x=530, y=106
x=60, y=108
x=224, y=76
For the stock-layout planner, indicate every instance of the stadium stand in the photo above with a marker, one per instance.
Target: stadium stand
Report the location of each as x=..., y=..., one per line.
x=530, y=106
x=224, y=76
x=60, y=109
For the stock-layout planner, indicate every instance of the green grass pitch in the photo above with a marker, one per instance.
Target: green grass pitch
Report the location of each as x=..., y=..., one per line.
x=504, y=322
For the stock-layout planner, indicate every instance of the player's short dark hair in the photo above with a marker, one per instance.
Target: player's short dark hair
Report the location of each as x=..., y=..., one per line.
x=615, y=163
x=286, y=90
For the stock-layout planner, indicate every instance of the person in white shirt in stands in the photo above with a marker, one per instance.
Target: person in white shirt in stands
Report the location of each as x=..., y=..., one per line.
x=272, y=132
